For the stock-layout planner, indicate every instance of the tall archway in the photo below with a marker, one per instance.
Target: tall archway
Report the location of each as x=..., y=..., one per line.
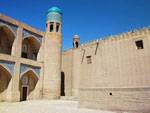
x=28, y=83
x=30, y=48
x=5, y=78
x=7, y=38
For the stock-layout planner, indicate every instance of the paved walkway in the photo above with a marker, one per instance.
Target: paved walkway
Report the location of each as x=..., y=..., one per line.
x=45, y=106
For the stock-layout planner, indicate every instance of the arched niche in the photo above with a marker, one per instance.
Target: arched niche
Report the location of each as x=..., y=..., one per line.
x=5, y=78
x=30, y=47
x=7, y=37
x=28, y=83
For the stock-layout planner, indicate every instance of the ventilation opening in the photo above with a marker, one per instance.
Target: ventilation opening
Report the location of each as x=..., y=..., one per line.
x=57, y=27
x=89, y=59
x=139, y=44
x=110, y=94
x=51, y=27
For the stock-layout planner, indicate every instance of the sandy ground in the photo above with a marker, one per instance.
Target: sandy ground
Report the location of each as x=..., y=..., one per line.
x=45, y=106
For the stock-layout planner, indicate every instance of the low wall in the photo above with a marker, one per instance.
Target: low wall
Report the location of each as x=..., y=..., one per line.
x=116, y=99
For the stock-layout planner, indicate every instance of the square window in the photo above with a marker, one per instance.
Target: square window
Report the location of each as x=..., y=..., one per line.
x=139, y=44
x=89, y=59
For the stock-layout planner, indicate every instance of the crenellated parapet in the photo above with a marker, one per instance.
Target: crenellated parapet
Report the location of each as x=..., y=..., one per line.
x=126, y=35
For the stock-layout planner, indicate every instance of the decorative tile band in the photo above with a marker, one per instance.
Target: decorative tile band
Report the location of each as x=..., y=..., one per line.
x=8, y=66
x=27, y=33
x=54, y=17
x=9, y=25
x=25, y=68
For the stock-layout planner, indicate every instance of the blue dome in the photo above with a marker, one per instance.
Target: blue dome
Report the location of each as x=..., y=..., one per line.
x=55, y=9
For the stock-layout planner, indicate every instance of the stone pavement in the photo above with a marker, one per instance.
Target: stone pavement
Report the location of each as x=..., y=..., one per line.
x=45, y=106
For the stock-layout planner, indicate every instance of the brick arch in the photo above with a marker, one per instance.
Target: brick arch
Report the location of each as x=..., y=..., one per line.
x=7, y=37
x=30, y=47
x=5, y=77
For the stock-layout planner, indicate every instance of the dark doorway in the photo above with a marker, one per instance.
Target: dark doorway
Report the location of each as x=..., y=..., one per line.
x=62, y=84
x=24, y=55
x=24, y=93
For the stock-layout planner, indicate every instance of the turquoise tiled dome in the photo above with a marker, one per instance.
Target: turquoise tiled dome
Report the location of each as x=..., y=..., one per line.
x=54, y=14
x=55, y=10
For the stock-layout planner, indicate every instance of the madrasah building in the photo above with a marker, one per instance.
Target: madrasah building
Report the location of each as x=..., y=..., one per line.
x=111, y=73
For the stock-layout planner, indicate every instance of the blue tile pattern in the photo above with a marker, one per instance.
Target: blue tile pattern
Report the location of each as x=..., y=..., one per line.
x=54, y=9
x=54, y=14
x=24, y=68
x=8, y=65
x=27, y=33
x=9, y=25
x=54, y=17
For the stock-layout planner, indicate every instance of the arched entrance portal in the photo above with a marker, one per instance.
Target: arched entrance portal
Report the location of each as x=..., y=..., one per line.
x=5, y=78
x=27, y=84
x=7, y=38
x=30, y=48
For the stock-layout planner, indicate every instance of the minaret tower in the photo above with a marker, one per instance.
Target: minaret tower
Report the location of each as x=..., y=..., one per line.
x=52, y=54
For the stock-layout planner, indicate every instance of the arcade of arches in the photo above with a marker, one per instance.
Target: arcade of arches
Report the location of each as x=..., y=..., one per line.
x=30, y=45
x=29, y=50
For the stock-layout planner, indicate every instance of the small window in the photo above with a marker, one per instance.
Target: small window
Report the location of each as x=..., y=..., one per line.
x=51, y=27
x=139, y=44
x=89, y=60
x=57, y=27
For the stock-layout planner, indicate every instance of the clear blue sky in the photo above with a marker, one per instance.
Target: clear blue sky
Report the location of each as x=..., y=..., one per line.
x=90, y=19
